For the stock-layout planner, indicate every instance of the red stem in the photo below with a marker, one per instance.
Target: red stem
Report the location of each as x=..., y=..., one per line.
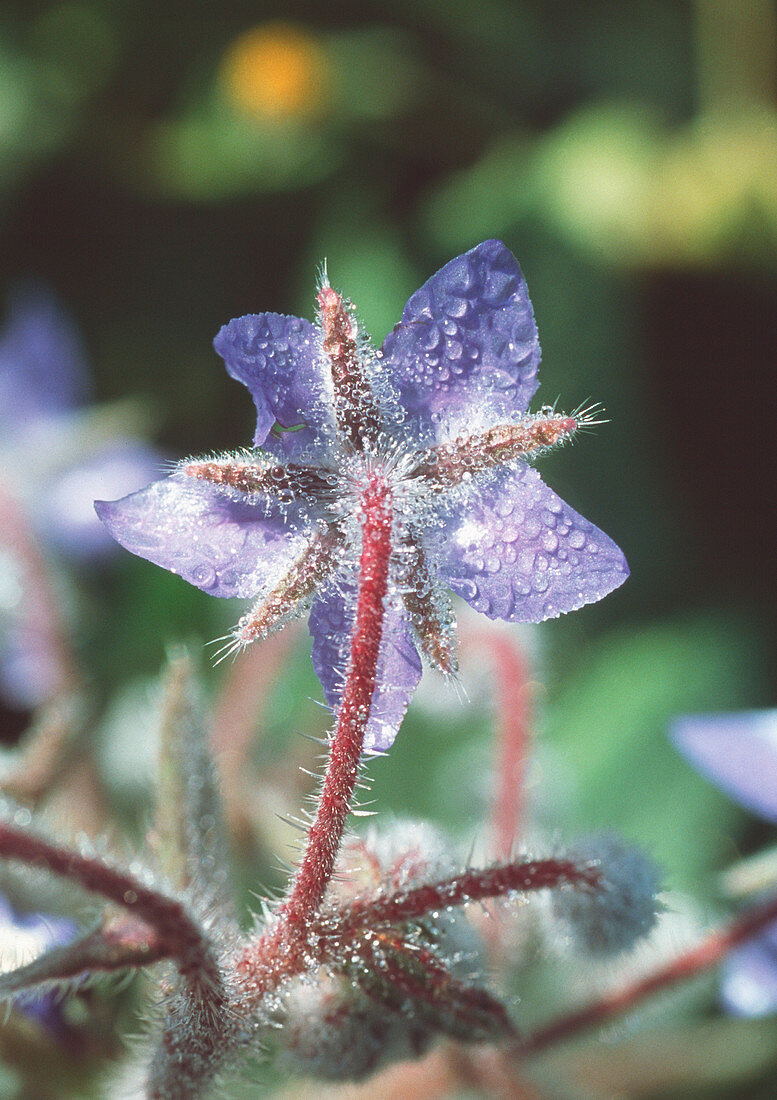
x=179, y=936
x=417, y=973
x=688, y=965
x=326, y=833
x=513, y=706
x=471, y=885
x=124, y=944
x=278, y=955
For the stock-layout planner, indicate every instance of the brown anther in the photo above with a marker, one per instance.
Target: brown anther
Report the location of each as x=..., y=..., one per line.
x=355, y=406
x=314, y=564
x=432, y=617
x=260, y=476
x=449, y=463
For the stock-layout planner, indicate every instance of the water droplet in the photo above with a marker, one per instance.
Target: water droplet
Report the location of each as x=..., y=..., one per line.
x=203, y=575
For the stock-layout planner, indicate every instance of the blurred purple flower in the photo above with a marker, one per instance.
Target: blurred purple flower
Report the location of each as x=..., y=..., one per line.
x=56, y=454
x=439, y=415
x=42, y=362
x=23, y=937
x=738, y=753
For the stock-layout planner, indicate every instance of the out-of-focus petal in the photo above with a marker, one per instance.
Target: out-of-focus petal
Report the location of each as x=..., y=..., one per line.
x=748, y=985
x=30, y=671
x=466, y=352
x=23, y=937
x=399, y=666
x=738, y=752
x=225, y=546
x=279, y=359
x=514, y=550
x=42, y=362
x=64, y=512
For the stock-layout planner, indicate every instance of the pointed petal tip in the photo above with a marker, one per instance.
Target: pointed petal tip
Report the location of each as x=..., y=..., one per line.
x=520, y=553
x=467, y=341
x=109, y=513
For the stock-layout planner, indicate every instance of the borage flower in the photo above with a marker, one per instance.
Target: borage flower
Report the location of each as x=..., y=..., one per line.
x=434, y=426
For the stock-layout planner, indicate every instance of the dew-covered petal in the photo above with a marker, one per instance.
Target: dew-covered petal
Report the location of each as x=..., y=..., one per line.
x=514, y=550
x=748, y=978
x=279, y=359
x=223, y=545
x=737, y=752
x=42, y=362
x=465, y=353
x=399, y=666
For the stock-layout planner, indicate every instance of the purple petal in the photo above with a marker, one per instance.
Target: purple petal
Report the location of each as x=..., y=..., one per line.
x=279, y=359
x=737, y=752
x=42, y=362
x=399, y=666
x=516, y=551
x=29, y=670
x=466, y=346
x=225, y=546
x=749, y=977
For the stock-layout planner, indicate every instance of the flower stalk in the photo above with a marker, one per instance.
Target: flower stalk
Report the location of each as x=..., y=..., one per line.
x=690, y=964
x=261, y=967
x=177, y=934
x=318, y=862
x=470, y=886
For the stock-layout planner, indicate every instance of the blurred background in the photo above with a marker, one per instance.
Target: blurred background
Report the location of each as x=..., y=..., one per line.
x=167, y=166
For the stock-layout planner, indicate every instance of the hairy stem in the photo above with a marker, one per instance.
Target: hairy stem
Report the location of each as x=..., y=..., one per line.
x=282, y=952
x=124, y=944
x=178, y=935
x=396, y=971
x=326, y=833
x=470, y=885
x=690, y=964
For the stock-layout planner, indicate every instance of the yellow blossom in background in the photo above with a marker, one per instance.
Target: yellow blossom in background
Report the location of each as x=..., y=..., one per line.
x=275, y=71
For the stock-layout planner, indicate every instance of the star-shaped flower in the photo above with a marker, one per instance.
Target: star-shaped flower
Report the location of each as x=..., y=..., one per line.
x=438, y=416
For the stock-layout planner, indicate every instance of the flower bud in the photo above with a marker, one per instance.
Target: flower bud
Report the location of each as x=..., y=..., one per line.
x=335, y=1032
x=613, y=917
